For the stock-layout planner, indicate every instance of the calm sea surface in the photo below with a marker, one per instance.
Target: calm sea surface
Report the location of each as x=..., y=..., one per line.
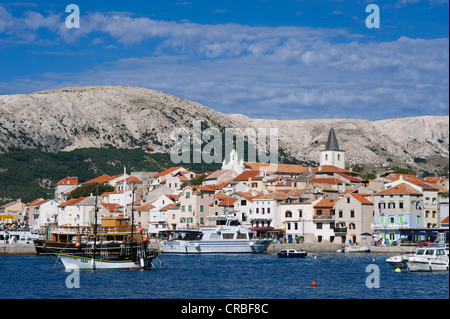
x=260, y=276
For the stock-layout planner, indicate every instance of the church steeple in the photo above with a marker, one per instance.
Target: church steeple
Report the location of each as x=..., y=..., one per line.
x=332, y=143
x=332, y=155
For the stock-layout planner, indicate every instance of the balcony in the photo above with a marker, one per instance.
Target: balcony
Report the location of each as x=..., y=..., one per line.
x=323, y=217
x=340, y=231
x=390, y=226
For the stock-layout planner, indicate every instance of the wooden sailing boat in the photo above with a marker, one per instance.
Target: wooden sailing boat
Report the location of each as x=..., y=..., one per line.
x=137, y=256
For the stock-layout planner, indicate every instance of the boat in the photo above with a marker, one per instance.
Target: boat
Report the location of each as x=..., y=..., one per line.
x=291, y=253
x=353, y=249
x=113, y=235
x=133, y=255
x=231, y=238
x=398, y=261
x=433, y=257
x=19, y=236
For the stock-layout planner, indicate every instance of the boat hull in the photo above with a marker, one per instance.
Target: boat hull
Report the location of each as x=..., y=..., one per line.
x=292, y=255
x=71, y=262
x=420, y=265
x=214, y=247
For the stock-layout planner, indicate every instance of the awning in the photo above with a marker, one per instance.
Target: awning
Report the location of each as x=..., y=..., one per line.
x=263, y=229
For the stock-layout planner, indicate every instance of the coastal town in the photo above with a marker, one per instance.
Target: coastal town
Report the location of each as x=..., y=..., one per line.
x=291, y=204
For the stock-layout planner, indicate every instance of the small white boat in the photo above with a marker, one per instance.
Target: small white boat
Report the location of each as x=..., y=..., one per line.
x=291, y=253
x=231, y=238
x=398, y=261
x=433, y=257
x=353, y=249
x=85, y=262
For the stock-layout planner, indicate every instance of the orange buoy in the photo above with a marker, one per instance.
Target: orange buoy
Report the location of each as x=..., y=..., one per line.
x=313, y=283
x=77, y=245
x=144, y=239
x=198, y=260
x=141, y=229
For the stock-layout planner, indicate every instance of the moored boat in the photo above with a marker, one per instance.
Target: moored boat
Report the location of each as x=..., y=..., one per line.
x=291, y=253
x=133, y=255
x=433, y=257
x=353, y=249
x=232, y=238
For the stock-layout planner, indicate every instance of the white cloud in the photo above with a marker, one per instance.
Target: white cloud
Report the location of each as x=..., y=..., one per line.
x=279, y=72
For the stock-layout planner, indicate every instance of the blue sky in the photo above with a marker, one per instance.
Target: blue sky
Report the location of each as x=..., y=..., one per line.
x=288, y=59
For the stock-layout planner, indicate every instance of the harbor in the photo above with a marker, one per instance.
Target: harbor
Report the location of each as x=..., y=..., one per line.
x=225, y=277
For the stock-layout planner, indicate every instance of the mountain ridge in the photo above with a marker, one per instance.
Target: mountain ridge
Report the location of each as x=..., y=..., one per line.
x=132, y=117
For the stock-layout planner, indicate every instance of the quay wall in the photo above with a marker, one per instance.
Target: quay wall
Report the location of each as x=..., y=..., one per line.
x=17, y=249
x=28, y=249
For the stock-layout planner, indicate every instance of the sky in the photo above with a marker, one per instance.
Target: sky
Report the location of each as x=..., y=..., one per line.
x=272, y=59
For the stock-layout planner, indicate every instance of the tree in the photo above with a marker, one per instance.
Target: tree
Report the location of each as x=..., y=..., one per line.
x=89, y=189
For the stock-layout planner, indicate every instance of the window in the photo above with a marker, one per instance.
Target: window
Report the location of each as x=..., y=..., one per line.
x=319, y=212
x=400, y=219
x=257, y=210
x=296, y=226
x=417, y=219
x=288, y=226
x=427, y=200
x=183, y=208
x=352, y=214
x=227, y=236
x=381, y=205
x=202, y=221
x=188, y=194
x=348, y=200
x=190, y=208
x=242, y=236
x=300, y=213
x=351, y=226
x=268, y=210
x=244, y=202
x=391, y=205
x=288, y=214
x=262, y=211
x=433, y=201
x=400, y=205
x=341, y=213
x=319, y=226
x=382, y=220
x=201, y=208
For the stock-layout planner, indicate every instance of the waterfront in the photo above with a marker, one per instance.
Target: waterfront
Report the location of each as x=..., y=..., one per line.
x=258, y=276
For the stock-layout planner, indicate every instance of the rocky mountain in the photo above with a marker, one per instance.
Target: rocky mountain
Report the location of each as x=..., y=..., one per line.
x=130, y=117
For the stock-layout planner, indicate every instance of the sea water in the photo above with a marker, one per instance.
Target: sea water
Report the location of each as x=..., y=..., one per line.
x=257, y=276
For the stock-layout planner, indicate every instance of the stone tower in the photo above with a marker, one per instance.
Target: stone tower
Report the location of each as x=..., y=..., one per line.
x=332, y=155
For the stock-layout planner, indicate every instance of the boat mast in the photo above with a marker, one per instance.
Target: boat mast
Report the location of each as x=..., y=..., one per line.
x=95, y=225
x=124, y=192
x=132, y=222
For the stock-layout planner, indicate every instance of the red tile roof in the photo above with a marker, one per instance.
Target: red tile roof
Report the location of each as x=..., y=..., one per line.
x=72, y=201
x=168, y=171
x=361, y=198
x=246, y=175
x=326, y=202
x=112, y=207
x=131, y=179
x=325, y=180
x=101, y=179
x=399, y=189
x=68, y=181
